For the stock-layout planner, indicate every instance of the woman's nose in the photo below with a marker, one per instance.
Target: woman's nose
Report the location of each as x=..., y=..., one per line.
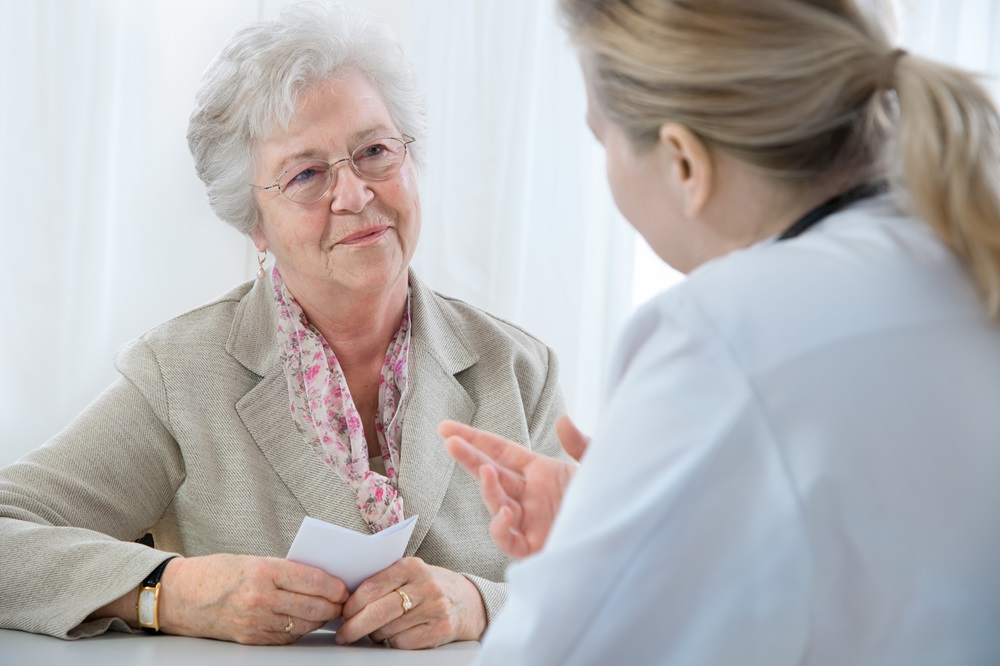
x=351, y=193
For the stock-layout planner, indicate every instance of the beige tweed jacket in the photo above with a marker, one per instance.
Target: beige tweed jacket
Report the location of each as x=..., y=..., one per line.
x=195, y=444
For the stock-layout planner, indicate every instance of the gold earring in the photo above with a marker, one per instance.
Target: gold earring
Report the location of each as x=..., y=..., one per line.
x=261, y=258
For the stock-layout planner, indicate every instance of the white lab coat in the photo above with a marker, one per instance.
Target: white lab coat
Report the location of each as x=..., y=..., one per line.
x=798, y=464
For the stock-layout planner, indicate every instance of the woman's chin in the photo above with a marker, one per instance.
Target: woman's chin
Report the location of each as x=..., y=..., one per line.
x=371, y=277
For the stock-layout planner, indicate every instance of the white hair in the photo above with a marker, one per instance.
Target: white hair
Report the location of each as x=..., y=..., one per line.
x=253, y=84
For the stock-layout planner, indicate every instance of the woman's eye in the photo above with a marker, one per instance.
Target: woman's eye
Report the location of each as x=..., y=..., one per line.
x=373, y=150
x=299, y=176
x=304, y=176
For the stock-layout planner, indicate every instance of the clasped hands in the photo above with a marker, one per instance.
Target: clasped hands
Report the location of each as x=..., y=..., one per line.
x=263, y=600
x=267, y=601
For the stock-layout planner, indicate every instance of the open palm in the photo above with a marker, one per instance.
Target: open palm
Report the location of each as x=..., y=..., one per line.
x=522, y=489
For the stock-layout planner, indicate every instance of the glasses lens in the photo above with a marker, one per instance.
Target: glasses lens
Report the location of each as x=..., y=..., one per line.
x=379, y=159
x=306, y=182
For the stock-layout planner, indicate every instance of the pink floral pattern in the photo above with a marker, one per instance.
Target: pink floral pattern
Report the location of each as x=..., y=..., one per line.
x=325, y=414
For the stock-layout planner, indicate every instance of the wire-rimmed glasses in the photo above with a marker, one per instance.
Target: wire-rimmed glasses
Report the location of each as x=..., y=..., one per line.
x=309, y=181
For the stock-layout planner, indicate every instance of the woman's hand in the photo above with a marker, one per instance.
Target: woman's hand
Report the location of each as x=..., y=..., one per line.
x=522, y=489
x=246, y=599
x=446, y=607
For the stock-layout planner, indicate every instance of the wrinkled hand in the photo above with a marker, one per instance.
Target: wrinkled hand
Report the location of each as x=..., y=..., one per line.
x=522, y=489
x=247, y=599
x=446, y=607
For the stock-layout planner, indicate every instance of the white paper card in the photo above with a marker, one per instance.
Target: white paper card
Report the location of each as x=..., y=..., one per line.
x=350, y=556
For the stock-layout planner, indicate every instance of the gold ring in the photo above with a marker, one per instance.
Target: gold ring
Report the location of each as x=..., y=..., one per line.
x=407, y=604
x=290, y=625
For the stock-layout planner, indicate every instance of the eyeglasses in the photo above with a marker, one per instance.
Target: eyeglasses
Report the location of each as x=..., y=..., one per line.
x=309, y=181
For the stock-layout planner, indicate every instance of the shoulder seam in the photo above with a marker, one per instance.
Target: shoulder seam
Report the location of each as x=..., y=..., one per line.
x=490, y=315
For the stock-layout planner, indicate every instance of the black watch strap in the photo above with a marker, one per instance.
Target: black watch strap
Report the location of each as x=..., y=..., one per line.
x=153, y=581
x=154, y=578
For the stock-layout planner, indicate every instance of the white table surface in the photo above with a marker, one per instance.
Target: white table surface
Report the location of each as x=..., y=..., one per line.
x=18, y=648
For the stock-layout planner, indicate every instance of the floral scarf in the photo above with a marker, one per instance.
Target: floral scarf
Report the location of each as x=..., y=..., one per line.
x=324, y=412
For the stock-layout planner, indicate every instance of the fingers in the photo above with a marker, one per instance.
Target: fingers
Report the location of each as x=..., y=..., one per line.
x=449, y=428
x=248, y=599
x=311, y=609
x=573, y=441
x=381, y=584
x=495, y=485
x=446, y=604
x=475, y=462
x=307, y=580
x=397, y=619
x=376, y=602
x=301, y=598
x=507, y=537
x=308, y=593
x=307, y=596
x=378, y=586
x=467, y=456
x=287, y=629
x=498, y=502
x=495, y=497
x=504, y=452
x=417, y=637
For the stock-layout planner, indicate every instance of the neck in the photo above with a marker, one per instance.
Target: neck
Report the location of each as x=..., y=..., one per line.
x=358, y=326
x=753, y=207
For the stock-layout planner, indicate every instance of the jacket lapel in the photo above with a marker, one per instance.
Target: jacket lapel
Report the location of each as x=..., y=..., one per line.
x=264, y=412
x=437, y=353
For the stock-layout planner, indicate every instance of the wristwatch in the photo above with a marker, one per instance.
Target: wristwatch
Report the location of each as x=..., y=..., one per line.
x=147, y=607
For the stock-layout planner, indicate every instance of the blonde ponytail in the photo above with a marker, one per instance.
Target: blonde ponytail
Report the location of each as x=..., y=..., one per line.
x=944, y=161
x=805, y=90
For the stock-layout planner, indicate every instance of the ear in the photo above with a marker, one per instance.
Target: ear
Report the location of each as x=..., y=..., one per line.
x=690, y=165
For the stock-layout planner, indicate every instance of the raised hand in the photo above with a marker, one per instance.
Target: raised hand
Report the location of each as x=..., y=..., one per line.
x=444, y=607
x=522, y=489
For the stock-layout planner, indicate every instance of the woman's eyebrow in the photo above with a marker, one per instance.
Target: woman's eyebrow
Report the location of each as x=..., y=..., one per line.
x=378, y=130
x=292, y=159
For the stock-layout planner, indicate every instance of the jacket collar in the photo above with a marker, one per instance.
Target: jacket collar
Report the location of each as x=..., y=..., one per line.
x=253, y=337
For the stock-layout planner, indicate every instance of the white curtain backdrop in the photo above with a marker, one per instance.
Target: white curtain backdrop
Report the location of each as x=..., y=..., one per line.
x=106, y=231
x=962, y=32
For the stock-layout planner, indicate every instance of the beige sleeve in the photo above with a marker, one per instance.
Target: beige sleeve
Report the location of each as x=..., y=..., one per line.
x=494, y=594
x=550, y=406
x=71, y=510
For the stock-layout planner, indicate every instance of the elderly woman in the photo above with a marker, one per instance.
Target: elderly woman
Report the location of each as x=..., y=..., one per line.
x=798, y=460
x=314, y=390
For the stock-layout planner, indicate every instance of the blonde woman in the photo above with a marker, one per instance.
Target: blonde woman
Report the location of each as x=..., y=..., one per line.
x=798, y=460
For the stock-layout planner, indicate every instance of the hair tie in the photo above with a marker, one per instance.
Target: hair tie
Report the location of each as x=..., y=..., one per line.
x=887, y=69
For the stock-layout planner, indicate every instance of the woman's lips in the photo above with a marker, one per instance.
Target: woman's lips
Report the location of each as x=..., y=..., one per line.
x=365, y=237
